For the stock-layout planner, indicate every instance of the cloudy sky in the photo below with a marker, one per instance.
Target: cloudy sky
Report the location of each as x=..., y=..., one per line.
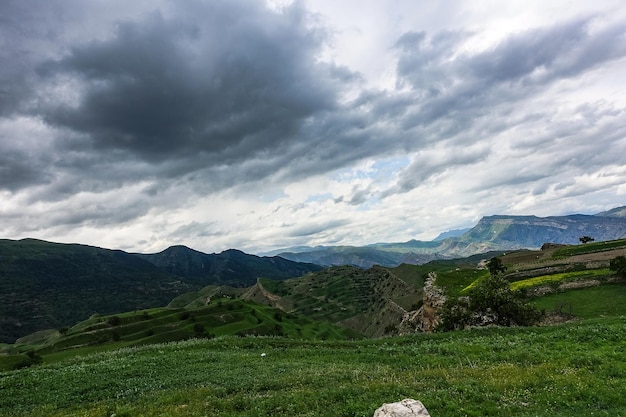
x=258, y=125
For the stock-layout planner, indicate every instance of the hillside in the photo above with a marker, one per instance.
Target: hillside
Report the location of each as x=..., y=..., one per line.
x=387, y=301
x=569, y=282
x=371, y=302
x=49, y=285
x=220, y=316
x=231, y=267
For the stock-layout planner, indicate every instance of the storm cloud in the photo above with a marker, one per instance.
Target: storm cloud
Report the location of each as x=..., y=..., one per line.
x=218, y=120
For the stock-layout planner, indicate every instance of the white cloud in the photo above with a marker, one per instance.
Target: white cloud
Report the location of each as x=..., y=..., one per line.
x=228, y=125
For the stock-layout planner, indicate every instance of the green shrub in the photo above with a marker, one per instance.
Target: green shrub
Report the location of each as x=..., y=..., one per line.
x=618, y=264
x=490, y=302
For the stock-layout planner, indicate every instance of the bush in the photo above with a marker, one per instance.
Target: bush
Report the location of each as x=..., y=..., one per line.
x=491, y=302
x=618, y=264
x=114, y=321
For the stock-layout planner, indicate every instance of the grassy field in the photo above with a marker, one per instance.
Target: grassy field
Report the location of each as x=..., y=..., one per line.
x=588, y=248
x=560, y=277
x=603, y=301
x=558, y=371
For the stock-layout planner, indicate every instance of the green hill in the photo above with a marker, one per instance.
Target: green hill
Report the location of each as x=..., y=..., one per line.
x=49, y=285
x=370, y=301
x=218, y=317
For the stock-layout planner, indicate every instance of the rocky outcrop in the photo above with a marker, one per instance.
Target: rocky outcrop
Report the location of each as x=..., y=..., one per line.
x=404, y=408
x=426, y=318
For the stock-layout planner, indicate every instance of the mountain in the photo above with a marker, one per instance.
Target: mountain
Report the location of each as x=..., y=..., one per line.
x=451, y=233
x=386, y=254
x=530, y=232
x=616, y=212
x=50, y=285
x=491, y=233
x=231, y=267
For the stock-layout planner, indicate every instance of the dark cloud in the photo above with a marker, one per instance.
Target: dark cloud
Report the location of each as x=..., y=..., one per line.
x=168, y=101
x=16, y=172
x=234, y=80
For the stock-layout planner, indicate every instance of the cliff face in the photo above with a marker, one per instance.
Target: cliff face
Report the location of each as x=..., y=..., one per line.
x=513, y=232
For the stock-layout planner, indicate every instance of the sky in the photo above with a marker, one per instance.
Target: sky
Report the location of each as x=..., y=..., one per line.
x=260, y=125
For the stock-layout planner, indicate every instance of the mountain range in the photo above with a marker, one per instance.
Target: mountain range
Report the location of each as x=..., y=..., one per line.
x=491, y=233
x=50, y=285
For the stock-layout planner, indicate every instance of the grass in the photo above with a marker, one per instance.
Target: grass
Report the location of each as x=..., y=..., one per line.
x=559, y=371
x=588, y=248
x=607, y=300
x=559, y=277
x=219, y=318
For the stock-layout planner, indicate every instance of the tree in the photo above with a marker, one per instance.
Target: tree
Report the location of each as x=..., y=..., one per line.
x=496, y=266
x=491, y=302
x=586, y=239
x=618, y=264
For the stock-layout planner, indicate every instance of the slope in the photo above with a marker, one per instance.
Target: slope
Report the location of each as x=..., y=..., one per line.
x=219, y=317
x=370, y=302
x=50, y=285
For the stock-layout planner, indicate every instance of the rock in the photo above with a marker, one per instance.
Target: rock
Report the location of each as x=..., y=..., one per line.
x=404, y=408
x=426, y=318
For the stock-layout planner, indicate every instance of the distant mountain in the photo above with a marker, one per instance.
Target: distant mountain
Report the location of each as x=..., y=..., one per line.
x=616, y=212
x=517, y=232
x=451, y=233
x=491, y=233
x=386, y=254
x=231, y=267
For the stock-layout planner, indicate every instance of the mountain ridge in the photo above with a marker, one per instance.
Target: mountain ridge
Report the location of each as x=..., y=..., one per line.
x=50, y=285
x=491, y=233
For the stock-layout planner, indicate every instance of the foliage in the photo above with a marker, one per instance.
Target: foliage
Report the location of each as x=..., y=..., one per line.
x=491, y=301
x=558, y=277
x=496, y=266
x=618, y=264
x=607, y=300
x=585, y=239
x=541, y=372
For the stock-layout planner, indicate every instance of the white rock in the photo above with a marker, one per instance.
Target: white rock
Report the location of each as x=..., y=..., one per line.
x=404, y=408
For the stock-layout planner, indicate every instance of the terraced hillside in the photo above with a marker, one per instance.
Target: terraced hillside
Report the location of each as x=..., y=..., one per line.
x=371, y=302
x=218, y=317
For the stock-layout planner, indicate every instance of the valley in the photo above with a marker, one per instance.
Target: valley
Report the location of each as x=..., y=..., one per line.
x=264, y=344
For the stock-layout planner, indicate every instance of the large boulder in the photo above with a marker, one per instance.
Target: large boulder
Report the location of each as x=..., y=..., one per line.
x=404, y=408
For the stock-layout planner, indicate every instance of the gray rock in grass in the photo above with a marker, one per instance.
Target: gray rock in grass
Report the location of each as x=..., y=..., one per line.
x=404, y=408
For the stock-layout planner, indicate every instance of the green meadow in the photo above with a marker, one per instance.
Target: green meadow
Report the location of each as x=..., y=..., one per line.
x=563, y=370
